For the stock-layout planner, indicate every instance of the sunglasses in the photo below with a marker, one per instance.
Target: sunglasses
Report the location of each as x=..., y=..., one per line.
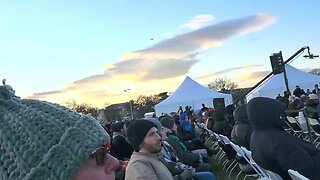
x=100, y=154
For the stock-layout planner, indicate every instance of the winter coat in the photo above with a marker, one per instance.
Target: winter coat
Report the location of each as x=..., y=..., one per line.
x=187, y=157
x=120, y=148
x=241, y=132
x=273, y=148
x=145, y=166
x=171, y=160
x=182, y=152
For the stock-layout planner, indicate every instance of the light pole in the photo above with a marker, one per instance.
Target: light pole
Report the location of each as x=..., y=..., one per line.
x=130, y=103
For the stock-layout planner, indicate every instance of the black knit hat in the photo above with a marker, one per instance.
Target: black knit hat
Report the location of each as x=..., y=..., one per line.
x=137, y=131
x=167, y=122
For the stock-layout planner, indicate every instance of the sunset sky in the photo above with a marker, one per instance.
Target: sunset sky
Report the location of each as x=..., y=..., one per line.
x=91, y=50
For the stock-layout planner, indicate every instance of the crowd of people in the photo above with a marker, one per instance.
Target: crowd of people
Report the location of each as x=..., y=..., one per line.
x=42, y=140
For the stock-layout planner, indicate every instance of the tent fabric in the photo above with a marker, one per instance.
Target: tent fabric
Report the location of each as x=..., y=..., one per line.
x=190, y=93
x=276, y=85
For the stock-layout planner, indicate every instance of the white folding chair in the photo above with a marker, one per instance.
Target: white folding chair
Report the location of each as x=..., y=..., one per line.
x=295, y=175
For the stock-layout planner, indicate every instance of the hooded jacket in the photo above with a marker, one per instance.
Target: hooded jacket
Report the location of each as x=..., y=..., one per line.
x=242, y=130
x=273, y=148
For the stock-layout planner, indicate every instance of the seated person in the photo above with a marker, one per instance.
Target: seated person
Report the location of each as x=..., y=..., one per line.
x=186, y=157
x=312, y=106
x=274, y=149
x=176, y=167
x=241, y=134
x=120, y=147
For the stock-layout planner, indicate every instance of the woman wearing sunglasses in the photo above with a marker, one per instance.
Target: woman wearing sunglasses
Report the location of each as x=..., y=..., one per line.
x=41, y=140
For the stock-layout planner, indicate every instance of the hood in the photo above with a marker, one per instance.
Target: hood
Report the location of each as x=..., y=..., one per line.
x=240, y=114
x=265, y=113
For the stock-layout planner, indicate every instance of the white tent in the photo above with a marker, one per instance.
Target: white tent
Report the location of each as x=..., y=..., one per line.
x=275, y=84
x=190, y=93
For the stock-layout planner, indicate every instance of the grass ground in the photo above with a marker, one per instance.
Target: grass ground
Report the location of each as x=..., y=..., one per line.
x=220, y=174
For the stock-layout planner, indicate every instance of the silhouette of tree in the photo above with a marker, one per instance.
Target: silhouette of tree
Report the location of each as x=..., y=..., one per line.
x=222, y=85
x=144, y=104
x=82, y=108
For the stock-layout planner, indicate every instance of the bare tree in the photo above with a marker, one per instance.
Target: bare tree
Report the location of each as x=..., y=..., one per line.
x=222, y=84
x=82, y=108
x=315, y=71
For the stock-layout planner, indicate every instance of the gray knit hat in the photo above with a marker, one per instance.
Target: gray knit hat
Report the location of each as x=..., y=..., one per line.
x=41, y=140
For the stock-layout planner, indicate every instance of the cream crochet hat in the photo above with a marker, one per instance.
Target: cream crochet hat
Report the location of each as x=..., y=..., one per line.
x=41, y=140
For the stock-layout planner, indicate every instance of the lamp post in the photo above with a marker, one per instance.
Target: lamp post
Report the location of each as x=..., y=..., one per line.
x=130, y=102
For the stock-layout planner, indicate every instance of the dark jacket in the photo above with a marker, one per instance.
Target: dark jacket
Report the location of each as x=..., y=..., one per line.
x=273, y=148
x=242, y=130
x=182, y=152
x=120, y=148
x=216, y=120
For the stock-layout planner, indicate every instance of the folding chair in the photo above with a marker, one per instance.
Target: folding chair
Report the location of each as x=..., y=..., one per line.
x=295, y=175
x=264, y=172
x=315, y=126
x=292, y=122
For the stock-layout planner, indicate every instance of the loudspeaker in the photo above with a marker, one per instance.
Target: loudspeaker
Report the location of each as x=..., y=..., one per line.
x=218, y=102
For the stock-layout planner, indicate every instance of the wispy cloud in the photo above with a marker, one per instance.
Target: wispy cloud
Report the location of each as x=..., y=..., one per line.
x=156, y=68
x=250, y=79
x=198, y=21
x=248, y=68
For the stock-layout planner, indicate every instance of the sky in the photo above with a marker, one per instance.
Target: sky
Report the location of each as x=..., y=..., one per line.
x=90, y=51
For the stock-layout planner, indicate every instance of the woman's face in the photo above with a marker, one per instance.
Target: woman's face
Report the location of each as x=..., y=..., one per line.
x=90, y=170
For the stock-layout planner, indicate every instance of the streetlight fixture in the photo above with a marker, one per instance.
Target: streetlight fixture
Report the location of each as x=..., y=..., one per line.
x=130, y=101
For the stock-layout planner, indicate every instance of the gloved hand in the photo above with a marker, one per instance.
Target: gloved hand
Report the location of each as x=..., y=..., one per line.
x=186, y=174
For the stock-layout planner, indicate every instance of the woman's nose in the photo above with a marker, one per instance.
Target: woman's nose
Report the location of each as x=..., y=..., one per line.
x=111, y=164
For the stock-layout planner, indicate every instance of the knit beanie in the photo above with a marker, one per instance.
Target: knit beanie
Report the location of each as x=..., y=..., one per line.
x=167, y=122
x=42, y=140
x=137, y=131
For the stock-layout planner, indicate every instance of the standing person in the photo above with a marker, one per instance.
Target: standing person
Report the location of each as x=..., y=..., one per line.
x=298, y=92
x=40, y=140
x=180, y=110
x=273, y=148
x=145, y=162
x=316, y=89
x=204, y=108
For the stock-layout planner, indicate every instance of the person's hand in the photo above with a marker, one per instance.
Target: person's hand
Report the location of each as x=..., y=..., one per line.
x=186, y=174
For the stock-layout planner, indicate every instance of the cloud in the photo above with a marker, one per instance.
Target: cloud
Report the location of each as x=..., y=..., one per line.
x=182, y=47
x=230, y=70
x=158, y=67
x=44, y=94
x=250, y=79
x=198, y=21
